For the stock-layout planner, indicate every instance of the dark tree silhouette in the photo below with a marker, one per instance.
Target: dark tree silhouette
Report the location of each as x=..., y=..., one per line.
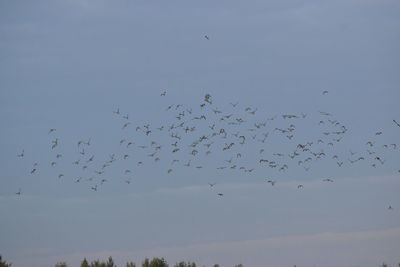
x=4, y=263
x=85, y=263
x=155, y=262
x=184, y=264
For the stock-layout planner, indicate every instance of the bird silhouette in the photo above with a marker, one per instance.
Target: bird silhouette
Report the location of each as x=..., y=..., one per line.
x=21, y=155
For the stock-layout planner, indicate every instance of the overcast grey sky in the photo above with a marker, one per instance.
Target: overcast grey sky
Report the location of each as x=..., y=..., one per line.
x=69, y=64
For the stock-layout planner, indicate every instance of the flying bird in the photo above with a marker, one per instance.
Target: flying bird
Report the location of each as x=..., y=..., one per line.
x=125, y=125
x=55, y=143
x=21, y=155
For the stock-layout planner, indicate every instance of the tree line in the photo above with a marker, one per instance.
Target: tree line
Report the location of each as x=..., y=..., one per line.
x=155, y=262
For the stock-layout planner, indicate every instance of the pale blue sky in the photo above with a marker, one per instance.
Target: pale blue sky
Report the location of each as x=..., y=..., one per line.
x=69, y=64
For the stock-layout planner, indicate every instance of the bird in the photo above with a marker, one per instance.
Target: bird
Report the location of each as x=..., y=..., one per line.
x=206, y=37
x=212, y=184
x=390, y=208
x=125, y=125
x=327, y=180
x=220, y=194
x=163, y=93
x=55, y=143
x=398, y=124
x=300, y=186
x=19, y=192
x=52, y=130
x=271, y=182
x=21, y=155
x=325, y=92
x=370, y=143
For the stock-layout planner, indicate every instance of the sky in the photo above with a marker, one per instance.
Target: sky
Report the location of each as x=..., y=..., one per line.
x=73, y=65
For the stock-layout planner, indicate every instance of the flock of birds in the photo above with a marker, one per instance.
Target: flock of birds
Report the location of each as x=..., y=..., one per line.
x=233, y=135
x=196, y=133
